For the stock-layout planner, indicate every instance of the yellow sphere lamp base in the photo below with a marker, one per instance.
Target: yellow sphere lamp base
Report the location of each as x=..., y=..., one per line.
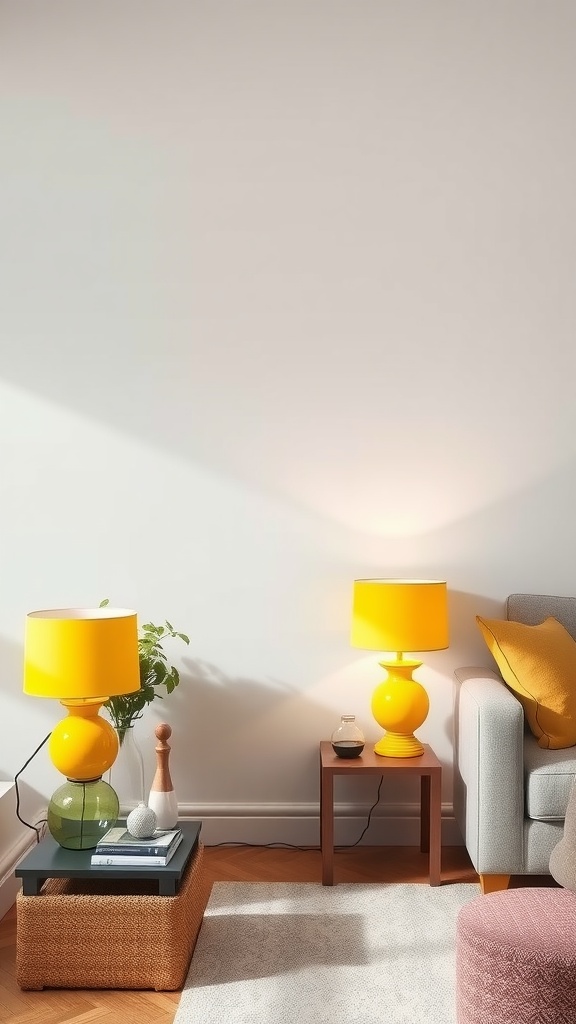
x=395, y=744
x=83, y=745
x=400, y=705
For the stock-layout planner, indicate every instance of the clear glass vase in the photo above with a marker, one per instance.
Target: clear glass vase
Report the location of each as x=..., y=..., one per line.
x=127, y=773
x=348, y=739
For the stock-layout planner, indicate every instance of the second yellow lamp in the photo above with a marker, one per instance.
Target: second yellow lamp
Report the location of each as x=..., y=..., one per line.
x=400, y=615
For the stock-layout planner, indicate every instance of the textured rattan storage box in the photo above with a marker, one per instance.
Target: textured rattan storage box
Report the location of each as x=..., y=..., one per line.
x=98, y=933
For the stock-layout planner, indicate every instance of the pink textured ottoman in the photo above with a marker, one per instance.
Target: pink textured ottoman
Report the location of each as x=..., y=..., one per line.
x=516, y=958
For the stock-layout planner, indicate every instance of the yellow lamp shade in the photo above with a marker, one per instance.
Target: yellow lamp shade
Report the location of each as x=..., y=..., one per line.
x=400, y=615
x=81, y=653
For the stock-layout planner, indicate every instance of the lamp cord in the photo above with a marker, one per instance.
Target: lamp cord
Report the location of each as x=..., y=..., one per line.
x=367, y=825
x=18, y=773
x=82, y=815
x=293, y=846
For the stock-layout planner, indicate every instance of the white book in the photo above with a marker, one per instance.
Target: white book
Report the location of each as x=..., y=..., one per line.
x=137, y=860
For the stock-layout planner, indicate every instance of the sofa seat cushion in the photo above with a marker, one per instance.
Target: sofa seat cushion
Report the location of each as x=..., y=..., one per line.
x=548, y=779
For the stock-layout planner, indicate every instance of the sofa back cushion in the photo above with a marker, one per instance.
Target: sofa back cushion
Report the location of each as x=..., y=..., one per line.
x=534, y=608
x=538, y=662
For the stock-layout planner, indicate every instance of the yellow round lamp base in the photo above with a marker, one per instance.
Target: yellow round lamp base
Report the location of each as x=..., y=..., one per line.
x=83, y=745
x=394, y=744
x=400, y=705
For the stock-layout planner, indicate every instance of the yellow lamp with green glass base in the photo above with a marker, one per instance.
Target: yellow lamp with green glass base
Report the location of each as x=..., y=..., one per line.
x=81, y=657
x=400, y=615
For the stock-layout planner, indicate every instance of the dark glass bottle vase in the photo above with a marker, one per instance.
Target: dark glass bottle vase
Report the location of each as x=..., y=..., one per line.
x=348, y=740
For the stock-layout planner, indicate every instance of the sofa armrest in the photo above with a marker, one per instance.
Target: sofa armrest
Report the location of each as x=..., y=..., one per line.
x=489, y=771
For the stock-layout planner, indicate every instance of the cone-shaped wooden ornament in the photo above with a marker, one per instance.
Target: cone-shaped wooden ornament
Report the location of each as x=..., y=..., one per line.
x=162, y=797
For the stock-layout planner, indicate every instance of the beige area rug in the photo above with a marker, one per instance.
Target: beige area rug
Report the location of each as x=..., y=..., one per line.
x=303, y=953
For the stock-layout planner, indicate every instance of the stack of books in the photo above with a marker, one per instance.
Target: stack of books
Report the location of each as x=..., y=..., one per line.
x=119, y=849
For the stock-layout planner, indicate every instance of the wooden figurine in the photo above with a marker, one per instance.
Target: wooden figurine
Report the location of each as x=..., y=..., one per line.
x=162, y=797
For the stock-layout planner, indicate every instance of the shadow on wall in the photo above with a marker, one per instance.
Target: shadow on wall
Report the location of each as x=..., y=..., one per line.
x=247, y=739
x=466, y=644
x=262, y=736
x=248, y=731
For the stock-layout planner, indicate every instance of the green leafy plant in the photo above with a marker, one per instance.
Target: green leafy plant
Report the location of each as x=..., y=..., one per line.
x=155, y=674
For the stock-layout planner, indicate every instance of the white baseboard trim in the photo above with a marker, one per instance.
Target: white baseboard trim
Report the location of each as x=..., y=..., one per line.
x=299, y=824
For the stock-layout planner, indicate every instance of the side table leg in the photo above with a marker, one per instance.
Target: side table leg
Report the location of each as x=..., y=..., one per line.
x=327, y=825
x=32, y=886
x=424, y=813
x=434, y=802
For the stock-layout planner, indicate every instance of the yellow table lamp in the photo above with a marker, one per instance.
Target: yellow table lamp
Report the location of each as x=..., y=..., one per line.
x=81, y=657
x=400, y=615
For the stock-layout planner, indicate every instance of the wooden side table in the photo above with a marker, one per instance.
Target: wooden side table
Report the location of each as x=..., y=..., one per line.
x=426, y=766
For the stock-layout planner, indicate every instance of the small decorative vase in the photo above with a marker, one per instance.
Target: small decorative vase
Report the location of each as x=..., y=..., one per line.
x=141, y=822
x=127, y=773
x=348, y=739
x=162, y=798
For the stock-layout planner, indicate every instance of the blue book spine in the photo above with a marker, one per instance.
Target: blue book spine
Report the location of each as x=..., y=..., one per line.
x=131, y=859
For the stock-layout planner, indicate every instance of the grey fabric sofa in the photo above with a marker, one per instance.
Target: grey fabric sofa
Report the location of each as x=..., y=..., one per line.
x=510, y=795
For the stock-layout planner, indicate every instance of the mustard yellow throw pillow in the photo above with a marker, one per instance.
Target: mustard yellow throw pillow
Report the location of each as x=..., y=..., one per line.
x=539, y=664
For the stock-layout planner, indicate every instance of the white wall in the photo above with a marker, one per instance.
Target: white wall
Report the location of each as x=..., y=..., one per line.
x=287, y=296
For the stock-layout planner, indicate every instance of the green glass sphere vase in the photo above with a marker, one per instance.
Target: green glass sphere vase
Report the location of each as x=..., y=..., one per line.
x=80, y=813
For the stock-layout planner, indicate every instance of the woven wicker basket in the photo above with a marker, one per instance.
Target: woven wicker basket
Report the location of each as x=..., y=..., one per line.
x=109, y=934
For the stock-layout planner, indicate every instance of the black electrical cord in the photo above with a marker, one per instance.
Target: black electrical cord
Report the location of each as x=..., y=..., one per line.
x=18, y=773
x=293, y=846
x=367, y=825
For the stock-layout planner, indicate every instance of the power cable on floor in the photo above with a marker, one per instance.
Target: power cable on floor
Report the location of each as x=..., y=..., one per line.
x=293, y=846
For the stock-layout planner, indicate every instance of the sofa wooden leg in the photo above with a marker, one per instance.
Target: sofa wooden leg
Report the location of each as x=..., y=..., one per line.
x=494, y=883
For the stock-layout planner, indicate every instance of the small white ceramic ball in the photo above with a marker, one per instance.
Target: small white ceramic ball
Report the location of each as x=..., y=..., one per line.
x=141, y=822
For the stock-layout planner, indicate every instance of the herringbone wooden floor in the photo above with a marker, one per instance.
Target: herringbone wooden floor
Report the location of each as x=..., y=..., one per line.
x=363, y=864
